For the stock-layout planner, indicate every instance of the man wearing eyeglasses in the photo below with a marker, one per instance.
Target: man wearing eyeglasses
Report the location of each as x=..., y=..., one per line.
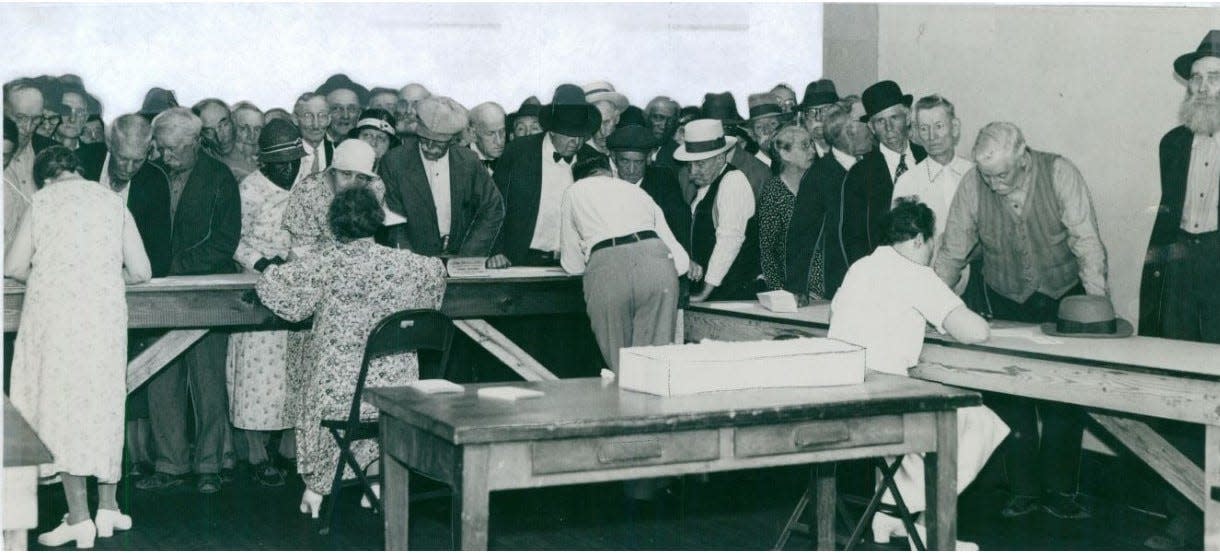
x=820, y=95
x=23, y=103
x=345, y=99
x=451, y=205
x=311, y=114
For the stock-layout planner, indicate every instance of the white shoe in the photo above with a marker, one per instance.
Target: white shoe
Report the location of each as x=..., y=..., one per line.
x=364, y=499
x=108, y=521
x=83, y=533
x=311, y=503
x=886, y=526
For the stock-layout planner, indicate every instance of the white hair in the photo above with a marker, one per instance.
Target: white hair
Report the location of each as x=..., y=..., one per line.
x=128, y=128
x=485, y=111
x=177, y=121
x=998, y=138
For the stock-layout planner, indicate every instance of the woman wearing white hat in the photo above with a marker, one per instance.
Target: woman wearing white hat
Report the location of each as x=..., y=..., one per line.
x=724, y=231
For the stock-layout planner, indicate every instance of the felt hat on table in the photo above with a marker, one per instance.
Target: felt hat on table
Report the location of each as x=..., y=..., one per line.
x=1210, y=47
x=1087, y=316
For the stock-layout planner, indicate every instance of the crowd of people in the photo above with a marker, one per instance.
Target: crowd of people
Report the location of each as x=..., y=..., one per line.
x=347, y=202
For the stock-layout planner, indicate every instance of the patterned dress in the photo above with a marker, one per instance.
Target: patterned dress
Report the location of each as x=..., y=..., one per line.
x=256, y=368
x=69, y=376
x=775, y=204
x=347, y=288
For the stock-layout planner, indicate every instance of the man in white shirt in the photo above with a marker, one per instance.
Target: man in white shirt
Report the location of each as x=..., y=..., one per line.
x=724, y=232
x=311, y=115
x=886, y=300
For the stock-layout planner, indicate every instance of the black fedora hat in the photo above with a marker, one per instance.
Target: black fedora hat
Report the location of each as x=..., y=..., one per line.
x=882, y=95
x=819, y=93
x=633, y=138
x=722, y=107
x=633, y=115
x=340, y=81
x=569, y=113
x=1209, y=47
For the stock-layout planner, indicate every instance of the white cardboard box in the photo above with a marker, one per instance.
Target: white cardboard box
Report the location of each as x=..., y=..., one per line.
x=718, y=366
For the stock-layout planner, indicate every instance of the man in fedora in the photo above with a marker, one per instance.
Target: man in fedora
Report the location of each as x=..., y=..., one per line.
x=629, y=148
x=870, y=184
x=345, y=100
x=1178, y=299
x=524, y=122
x=451, y=205
x=1030, y=215
x=819, y=96
x=724, y=232
x=766, y=116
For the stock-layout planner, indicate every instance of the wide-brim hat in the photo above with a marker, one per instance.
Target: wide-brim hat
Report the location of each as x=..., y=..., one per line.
x=354, y=155
x=157, y=100
x=340, y=81
x=631, y=138
x=1087, y=316
x=766, y=105
x=280, y=141
x=633, y=115
x=819, y=93
x=378, y=120
x=720, y=106
x=882, y=96
x=1209, y=47
x=597, y=91
x=570, y=114
x=703, y=138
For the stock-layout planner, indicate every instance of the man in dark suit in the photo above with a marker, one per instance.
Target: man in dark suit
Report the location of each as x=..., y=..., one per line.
x=1178, y=297
x=820, y=95
x=451, y=205
x=869, y=187
x=629, y=147
x=311, y=114
x=205, y=218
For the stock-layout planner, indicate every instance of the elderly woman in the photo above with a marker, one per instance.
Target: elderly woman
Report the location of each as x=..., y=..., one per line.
x=305, y=214
x=791, y=155
x=376, y=128
x=347, y=288
x=75, y=248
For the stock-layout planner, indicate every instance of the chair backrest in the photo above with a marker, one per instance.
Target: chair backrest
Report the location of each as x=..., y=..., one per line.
x=402, y=332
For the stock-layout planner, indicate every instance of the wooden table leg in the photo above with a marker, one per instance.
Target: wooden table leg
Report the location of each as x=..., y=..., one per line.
x=471, y=499
x=395, y=495
x=940, y=481
x=1211, y=477
x=827, y=497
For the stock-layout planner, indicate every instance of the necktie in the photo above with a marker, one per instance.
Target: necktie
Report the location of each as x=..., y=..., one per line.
x=566, y=159
x=902, y=167
x=490, y=164
x=317, y=158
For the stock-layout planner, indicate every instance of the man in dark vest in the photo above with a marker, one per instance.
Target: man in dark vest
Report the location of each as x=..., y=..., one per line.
x=1178, y=296
x=1030, y=214
x=869, y=188
x=724, y=232
x=629, y=147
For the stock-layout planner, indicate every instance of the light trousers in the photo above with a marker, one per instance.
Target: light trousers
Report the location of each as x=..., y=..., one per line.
x=631, y=294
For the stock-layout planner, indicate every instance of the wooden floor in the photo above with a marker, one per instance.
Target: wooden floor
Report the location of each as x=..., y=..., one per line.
x=739, y=510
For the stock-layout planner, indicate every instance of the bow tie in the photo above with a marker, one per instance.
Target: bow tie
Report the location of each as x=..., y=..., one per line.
x=566, y=159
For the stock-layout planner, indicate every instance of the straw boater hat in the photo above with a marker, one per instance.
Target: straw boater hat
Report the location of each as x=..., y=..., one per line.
x=440, y=118
x=1087, y=316
x=703, y=138
x=378, y=120
x=280, y=141
x=570, y=114
x=1210, y=47
x=819, y=93
x=766, y=105
x=355, y=155
x=602, y=90
x=881, y=96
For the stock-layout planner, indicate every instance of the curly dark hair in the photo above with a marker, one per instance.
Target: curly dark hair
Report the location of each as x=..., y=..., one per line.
x=355, y=214
x=586, y=166
x=52, y=162
x=908, y=219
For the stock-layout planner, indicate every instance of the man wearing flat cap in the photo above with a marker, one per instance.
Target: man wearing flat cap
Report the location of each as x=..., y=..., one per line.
x=1178, y=298
x=869, y=188
x=345, y=99
x=451, y=205
x=629, y=148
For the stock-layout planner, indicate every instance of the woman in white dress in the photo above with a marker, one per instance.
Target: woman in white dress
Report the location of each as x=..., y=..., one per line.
x=75, y=248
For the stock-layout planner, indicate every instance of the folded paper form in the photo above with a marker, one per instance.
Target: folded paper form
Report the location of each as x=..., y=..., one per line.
x=779, y=301
x=719, y=366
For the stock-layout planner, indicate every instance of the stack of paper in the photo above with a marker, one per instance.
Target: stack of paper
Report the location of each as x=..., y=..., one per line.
x=437, y=386
x=718, y=366
x=467, y=266
x=779, y=301
x=508, y=393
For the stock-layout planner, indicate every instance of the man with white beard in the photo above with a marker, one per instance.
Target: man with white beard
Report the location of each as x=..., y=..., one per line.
x=1178, y=297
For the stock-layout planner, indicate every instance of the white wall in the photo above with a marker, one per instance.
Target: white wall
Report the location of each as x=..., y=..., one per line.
x=504, y=52
x=1095, y=84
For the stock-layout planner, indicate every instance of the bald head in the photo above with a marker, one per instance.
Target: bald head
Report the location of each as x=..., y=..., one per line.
x=487, y=124
x=128, y=139
x=413, y=92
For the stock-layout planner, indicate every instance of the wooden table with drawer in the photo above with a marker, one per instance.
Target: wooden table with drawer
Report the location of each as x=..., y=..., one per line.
x=587, y=430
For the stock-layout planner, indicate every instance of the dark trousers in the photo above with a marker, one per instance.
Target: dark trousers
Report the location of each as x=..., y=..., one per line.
x=198, y=375
x=1035, y=465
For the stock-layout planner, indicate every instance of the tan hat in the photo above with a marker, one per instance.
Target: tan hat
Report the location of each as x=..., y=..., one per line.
x=1087, y=316
x=602, y=90
x=440, y=118
x=355, y=155
x=703, y=138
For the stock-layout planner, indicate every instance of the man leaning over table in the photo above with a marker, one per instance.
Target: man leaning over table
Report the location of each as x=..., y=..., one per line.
x=1030, y=213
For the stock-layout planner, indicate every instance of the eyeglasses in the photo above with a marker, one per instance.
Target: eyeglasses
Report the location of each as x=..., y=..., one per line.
x=340, y=110
x=23, y=119
x=322, y=118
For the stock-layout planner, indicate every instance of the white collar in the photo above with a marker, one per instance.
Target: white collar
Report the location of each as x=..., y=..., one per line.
x=844, y=159
x=891, y=154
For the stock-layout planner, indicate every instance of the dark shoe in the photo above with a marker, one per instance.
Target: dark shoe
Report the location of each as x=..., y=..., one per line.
x=1019, y=506
x=159, y=481
x=227, y=474
x=208, y=483
x=268, y=475
x=1065, y=506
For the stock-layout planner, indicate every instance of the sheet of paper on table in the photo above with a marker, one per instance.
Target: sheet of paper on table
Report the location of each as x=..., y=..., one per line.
x=476, y=267
x=508, y=393
x=778, y=301
x=437, y=386
x=1031, y=333
x=467, y=267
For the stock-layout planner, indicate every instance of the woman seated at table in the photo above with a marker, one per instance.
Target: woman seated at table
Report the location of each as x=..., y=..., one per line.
x=885, y=302
x=347, y=288
x=75, y=248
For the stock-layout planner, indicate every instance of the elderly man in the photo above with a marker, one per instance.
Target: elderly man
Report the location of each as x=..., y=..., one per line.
x=724, y=243
x=524, y=122
x=766, y=116
x=205, y=219
x=723, y=107
x=345, y=99
x=869, y=188
x=1178, y=298
x=311, y=115
x=23, y=103
x=404, y=110
x=662, y=114
x=819, y=96
x=381, y=97
x=1031, y=215
x=73, y=110
x=248, y=123
x=144, y=185
x=451, y=205
x=610, y=114
x=629, y=148
x=785, y=96
x=220, y=136
x=487, y=123
x=816, y=264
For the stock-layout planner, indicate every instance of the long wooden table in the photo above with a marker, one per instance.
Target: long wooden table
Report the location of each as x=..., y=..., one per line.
x=1112, y=379
x=587, y=430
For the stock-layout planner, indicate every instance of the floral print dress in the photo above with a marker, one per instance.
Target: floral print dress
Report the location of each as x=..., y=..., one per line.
x=775, y=204
x=347, y=289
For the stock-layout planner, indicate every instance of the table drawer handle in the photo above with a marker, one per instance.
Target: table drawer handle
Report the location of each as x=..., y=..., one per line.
x=618, y=452
x=820, y=435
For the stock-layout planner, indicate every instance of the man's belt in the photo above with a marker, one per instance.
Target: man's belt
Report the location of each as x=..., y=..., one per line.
x=625, y=239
